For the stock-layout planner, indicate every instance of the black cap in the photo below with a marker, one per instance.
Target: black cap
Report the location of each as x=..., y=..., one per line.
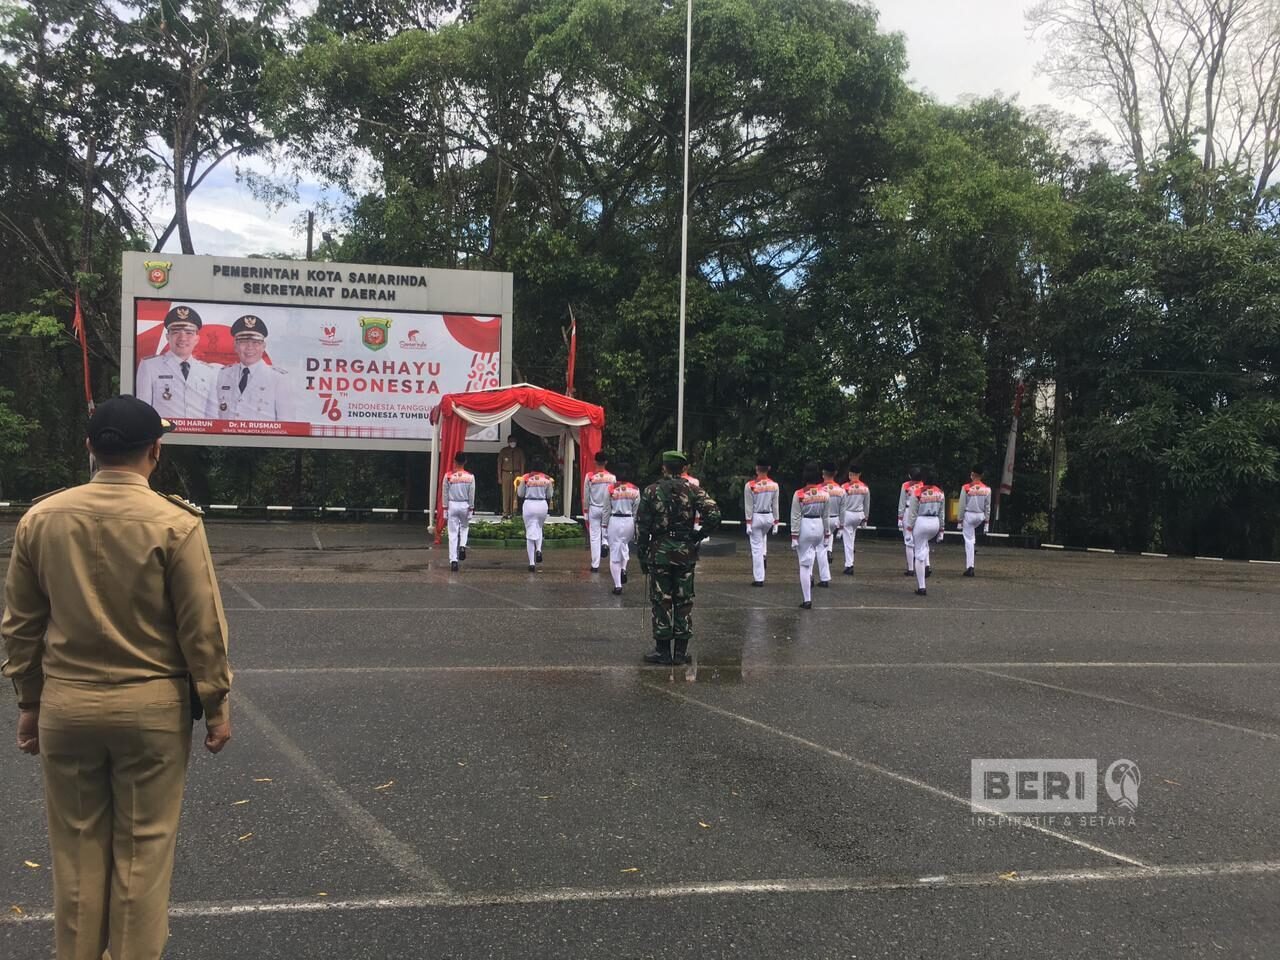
x=123, y=424
x=183, y=314
x=249, y=324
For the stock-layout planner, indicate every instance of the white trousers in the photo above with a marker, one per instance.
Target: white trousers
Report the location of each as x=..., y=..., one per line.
x=622, y=530
x=969, y=529
x=596, y=534
x=535, y=513
x=926, y=529
x=758, y=528
x=810, y=545
x=909, y=543
x=824, y=553
x=852, y=521
x=459, y=526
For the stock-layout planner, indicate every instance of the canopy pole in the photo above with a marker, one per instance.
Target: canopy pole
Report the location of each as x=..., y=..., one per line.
x=433, y=481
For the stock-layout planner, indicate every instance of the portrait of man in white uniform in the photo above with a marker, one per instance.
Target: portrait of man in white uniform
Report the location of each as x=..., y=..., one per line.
x=251, y=389
x=175, y=383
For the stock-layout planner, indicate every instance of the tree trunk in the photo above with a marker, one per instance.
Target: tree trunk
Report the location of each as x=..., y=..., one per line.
x=180, y=188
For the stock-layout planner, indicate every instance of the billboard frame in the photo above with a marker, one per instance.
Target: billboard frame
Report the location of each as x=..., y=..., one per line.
x=470, y=292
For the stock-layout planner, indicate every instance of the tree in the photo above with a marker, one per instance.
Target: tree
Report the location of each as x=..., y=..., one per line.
x=1162, y=335
x=1175, y=75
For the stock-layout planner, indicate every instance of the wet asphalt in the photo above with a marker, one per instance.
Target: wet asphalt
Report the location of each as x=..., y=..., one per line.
x=478, y=765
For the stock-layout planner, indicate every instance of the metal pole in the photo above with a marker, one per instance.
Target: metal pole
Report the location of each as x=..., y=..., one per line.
x=684, y=219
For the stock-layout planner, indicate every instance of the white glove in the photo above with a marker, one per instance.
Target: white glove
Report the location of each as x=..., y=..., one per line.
x=795, y=543
x=986, y=528
x=774, y=530
x=940, y=533
x=899, y=523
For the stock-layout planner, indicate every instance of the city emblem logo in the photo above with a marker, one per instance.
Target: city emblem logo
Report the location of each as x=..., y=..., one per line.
x=157, y=272
x=374, y=332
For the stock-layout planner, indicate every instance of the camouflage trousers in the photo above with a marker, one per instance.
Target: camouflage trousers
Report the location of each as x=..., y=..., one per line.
x=671, y=604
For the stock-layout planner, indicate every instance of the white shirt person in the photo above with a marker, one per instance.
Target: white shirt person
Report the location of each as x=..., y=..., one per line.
x=175, y=383
x=252, y=389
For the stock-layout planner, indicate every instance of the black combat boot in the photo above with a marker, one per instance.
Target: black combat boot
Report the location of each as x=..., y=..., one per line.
x=453, y=565
x=659, y=655
x=968, y=572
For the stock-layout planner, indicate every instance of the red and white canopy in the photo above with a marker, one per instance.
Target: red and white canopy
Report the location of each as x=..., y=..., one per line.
x=543, y=413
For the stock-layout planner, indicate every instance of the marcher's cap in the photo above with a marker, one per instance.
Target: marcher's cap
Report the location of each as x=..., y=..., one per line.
x=249, y=327
x=125, y=423
x=182, y=315
x=675, y=458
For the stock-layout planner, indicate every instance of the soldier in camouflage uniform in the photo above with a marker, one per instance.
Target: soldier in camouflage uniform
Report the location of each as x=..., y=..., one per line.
x=667, y=545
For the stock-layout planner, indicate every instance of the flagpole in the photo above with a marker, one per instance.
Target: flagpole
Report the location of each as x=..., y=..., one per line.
x=684, y=219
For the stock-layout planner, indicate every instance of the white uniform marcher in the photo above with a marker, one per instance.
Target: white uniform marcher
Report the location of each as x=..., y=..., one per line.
x=162, y=382
x=537, y=490
x=595, y=494
x=904, y=499
x=835, y=493
x=808, y=531
x=460, y=495
x=855, y=507
x=975, y=511
x=924, y=518
x=760, y=516
x=266, y=394
x=620, y=521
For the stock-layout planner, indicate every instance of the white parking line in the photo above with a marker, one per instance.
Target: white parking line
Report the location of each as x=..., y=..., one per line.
x=890, y=774
x=496, y=596
x=235, y=909
x=923, y=608
x=390, y=847
x=1127, y=703
x=762, y=667
x=244, y=595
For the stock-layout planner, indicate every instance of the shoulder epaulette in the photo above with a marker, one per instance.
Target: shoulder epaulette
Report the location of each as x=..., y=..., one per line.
x=46, y=496
x=186, y=505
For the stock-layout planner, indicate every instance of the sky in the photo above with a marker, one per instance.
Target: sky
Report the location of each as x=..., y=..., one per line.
x=956, y=49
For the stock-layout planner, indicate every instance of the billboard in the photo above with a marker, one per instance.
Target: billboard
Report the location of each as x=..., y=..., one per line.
x=286, y=353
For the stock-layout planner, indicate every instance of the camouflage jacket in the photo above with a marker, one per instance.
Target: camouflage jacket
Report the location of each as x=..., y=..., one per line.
x=664, y=522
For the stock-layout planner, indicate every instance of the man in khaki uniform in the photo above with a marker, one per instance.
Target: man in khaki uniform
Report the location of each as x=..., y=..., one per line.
x=510, y=466
x=112, y=616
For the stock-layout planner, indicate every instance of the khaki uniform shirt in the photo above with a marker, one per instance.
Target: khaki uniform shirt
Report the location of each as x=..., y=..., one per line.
x=111, y=582
x=510, y=462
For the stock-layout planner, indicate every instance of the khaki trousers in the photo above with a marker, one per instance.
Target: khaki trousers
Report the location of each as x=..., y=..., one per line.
x=507, y=482
x=114, y=758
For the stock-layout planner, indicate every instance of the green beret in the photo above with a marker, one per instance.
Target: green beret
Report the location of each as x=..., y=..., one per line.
x=675, y=457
